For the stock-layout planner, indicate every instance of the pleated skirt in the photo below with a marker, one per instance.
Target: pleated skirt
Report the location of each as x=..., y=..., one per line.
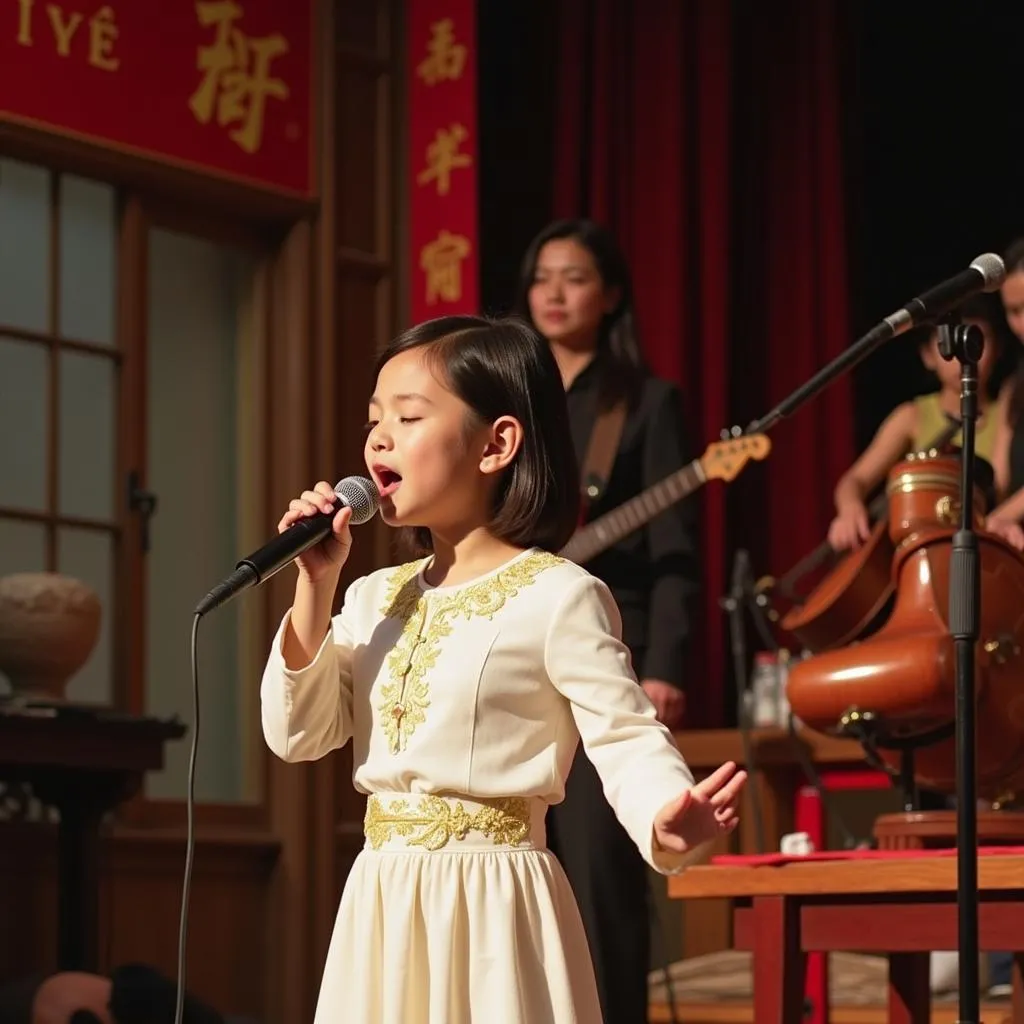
x=455, y=912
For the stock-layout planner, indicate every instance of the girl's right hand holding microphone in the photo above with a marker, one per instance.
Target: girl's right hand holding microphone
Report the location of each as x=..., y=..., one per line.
x=323, y=561
x=319, y=571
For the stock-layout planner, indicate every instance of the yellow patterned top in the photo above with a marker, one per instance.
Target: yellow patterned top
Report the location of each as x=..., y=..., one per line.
x=482, y=689
x=405, y=699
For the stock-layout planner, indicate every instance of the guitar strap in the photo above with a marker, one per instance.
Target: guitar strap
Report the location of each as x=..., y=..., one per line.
x=601, y=449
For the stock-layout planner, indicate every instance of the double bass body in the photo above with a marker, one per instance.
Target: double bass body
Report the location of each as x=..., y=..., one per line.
x=898, y=682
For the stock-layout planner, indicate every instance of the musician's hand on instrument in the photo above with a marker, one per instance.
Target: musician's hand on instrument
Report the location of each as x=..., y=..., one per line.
x=668, y=700
x=1010, y=531
x=702, y=813
x=850, y=528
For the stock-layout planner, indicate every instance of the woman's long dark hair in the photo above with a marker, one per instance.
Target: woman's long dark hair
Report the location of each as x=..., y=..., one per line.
x=621, y=363
x=1014, y=263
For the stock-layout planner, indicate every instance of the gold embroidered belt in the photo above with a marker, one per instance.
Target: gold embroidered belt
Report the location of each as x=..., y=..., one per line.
x=417, y=821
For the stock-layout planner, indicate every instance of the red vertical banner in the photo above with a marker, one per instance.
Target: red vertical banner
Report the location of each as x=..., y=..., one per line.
x=443, y=158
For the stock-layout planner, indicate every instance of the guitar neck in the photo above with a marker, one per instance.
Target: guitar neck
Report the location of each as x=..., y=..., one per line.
x=629, y=517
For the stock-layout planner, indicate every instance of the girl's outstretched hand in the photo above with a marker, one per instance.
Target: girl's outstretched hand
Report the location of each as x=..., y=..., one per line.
x=702, y=813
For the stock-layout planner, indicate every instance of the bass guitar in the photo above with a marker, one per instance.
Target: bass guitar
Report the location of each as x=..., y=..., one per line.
x=722, y=460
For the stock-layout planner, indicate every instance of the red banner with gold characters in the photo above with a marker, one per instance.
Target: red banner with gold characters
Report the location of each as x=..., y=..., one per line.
x=443, y=157
x=219, y=86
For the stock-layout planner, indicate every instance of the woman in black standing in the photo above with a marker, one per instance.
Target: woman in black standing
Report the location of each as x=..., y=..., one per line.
x=575, y=289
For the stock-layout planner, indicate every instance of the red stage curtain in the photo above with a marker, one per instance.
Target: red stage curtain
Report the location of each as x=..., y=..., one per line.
x=709, y=140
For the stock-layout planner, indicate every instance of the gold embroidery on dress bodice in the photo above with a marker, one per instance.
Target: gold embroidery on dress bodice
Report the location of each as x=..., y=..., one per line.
x=426, y=621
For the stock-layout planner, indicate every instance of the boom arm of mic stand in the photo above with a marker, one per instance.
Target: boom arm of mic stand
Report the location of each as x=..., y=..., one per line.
x=846, y=360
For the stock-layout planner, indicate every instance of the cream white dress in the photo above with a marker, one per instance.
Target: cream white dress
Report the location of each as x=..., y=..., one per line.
x=464, y=706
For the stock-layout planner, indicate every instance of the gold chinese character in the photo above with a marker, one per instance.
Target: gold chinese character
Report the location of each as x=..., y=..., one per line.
x=236, y=71
x=447, y=57
x=443, y=157
x=441, y=260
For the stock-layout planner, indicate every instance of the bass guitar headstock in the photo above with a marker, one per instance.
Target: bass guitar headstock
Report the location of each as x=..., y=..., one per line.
x=723, y=460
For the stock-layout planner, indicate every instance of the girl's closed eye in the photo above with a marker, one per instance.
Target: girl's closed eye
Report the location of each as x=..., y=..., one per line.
x=369, y=425
x=409, y=419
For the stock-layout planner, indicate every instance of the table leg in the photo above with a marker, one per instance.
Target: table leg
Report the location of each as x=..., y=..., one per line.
x=909, y=989
x=1017, y=980
x=78, y=873
x=779, y=962
x=81, y=803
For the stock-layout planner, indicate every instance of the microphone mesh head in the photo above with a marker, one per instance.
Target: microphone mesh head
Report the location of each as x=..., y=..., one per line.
x=991, y=268
x=361, y=496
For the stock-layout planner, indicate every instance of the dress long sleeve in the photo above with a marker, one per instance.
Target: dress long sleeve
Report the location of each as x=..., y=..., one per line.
x=671, y=548
x=636, y=757
x=307, y=713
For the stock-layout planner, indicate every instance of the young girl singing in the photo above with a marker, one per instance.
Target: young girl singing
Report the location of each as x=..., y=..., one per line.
x=465, y=681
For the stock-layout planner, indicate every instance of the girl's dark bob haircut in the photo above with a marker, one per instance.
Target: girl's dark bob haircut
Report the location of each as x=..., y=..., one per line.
x=503, y=367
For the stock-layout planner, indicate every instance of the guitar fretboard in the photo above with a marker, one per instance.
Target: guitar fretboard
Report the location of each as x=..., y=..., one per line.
x=610, y=528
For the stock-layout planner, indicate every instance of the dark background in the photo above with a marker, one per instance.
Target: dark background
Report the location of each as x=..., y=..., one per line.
x=934, y=161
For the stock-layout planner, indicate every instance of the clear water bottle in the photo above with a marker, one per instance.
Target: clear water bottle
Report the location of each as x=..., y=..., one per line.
x=764, y=690
x=782, y=671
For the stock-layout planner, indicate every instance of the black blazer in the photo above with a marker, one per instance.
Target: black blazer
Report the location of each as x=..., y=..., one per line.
x=653, y=573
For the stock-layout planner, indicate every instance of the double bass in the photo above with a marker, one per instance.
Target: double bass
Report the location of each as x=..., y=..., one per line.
x=895, y=688
x=855, y=596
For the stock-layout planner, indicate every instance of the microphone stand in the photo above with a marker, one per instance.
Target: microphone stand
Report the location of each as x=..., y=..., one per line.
x=743, y=596
x=965, y=342
x=734, y=604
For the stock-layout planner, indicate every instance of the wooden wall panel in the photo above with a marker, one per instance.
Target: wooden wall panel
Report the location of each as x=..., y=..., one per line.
x=367, y=272
x=228, y=961
x=359, y=244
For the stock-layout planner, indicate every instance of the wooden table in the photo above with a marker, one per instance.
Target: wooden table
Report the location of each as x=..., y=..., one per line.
x=778, y=780
x=901, y=905
x=779, y=776
x=83, y=762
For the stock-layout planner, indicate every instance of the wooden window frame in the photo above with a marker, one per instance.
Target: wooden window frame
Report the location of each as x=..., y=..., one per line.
x=225, y=213
x=55, y=341
x=144, y=214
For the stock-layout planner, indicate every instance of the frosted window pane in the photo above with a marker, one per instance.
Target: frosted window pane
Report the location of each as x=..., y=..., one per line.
x=88, y=260
x=24, y=246
x=88, y=555
x=194, y=310
x=22, y=547
x=87, y=435
x=23, y=416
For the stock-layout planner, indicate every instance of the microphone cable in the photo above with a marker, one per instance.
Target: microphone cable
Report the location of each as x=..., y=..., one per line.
x=190, y=833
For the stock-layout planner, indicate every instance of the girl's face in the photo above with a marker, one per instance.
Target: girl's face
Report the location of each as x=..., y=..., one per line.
x=434, y=462
x=1013, y=302
x=568, y=299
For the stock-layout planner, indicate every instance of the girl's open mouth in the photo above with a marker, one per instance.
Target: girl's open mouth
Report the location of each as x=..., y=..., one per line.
x=388, y=480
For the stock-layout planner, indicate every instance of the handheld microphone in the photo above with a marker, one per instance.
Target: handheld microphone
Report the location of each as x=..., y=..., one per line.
x=356, y=492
